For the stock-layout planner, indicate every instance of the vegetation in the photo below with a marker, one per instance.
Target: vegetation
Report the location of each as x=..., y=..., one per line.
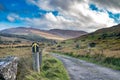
x=30, y=37
x=101, y=46
x=52, y=69
x=110, y=62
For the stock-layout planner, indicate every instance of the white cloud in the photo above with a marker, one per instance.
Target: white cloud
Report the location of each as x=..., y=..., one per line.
x=12, y=17
x=112, y=5
x=31, y=2
x=4, y=25
x=50, y=17
x=75, y=14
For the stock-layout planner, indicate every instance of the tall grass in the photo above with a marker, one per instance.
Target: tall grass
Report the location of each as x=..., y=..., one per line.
x=110, y=62
x=51, y=69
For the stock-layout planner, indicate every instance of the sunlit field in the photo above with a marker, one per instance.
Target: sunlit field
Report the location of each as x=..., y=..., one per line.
x=105, y=52
x=51, y=68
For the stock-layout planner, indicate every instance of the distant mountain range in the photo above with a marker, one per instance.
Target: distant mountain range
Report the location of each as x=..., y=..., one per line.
x=56, y=34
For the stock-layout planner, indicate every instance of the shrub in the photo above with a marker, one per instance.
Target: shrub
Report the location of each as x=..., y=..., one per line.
x=77, y=46
x=92, y=44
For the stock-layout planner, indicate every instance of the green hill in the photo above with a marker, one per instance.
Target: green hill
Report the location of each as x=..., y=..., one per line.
x=105, y=33
x=106, y=38
x=101, y=46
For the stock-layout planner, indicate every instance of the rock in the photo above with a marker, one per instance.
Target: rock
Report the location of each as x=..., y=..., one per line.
x=8, y=68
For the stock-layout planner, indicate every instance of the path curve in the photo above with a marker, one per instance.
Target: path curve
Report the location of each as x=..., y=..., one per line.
x=82, y=70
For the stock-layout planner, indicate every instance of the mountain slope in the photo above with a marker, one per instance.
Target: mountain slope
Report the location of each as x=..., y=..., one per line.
x=106, y=38
x=104, y=33
x=55, y=34
x=30, y=31
x=67, y=34
x=101, y=47
x=103, y=41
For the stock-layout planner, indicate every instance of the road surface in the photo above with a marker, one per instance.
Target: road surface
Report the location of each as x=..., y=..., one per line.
x=82, y=70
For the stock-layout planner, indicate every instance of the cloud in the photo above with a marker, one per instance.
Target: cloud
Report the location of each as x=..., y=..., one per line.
x=50, y=17
x=112, y=5
x=4, y=25
x=76, y=14
x=12, y=17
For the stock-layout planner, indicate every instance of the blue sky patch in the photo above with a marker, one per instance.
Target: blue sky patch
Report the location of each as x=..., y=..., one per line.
x=115, y=16
x=93, y=7
x=22, y=9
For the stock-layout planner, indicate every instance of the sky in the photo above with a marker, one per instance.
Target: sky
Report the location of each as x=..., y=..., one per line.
x=86, y=15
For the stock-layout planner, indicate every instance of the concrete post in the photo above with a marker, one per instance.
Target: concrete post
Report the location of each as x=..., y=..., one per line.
x=37, y=62
x=37, y=57
x=33, y=56
x=36, y=66
x=40, y=58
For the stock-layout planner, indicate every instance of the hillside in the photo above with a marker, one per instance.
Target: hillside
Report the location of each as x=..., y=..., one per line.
x=105, y=41
x=104, y=33
x=8, y=39
x=55, y=34
x=67, y=34
x=29, y=31
x=101, y=47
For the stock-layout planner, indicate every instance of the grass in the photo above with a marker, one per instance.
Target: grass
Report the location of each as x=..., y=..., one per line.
x=51, y=69
x=100, y=59
x=106, y=49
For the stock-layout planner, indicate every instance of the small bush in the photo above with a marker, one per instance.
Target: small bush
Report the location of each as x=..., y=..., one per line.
x=92, y=44
x=59, y=46
x=77, y=46
x=113, y=61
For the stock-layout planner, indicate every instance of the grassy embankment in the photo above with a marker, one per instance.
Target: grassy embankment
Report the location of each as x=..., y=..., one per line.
x=52, y=69
x=105, y=47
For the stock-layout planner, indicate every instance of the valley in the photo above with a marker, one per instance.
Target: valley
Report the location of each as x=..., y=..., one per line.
x=101, y=47
x=59, y=39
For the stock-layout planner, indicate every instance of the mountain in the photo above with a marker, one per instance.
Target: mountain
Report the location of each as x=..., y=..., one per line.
x=105, y=38
x=55, y=34
x=113, y=29
x=96, y=45
x=67, y=34
x=101, y=47
x=30, y=31
x=104, y=33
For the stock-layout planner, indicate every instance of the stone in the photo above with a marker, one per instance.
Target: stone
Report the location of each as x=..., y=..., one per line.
x=8, y=68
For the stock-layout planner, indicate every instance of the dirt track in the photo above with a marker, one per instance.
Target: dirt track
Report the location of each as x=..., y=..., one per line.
x=82, y=70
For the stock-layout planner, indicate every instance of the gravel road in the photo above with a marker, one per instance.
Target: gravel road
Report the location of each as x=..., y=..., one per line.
x=82, y=70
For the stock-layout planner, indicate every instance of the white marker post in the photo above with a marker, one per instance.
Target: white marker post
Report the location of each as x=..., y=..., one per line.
x=35, y=54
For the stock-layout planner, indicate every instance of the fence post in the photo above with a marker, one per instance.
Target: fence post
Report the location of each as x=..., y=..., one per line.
x=37, y=62
x=40, y=58
x=33, y=56
x=36, y=56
